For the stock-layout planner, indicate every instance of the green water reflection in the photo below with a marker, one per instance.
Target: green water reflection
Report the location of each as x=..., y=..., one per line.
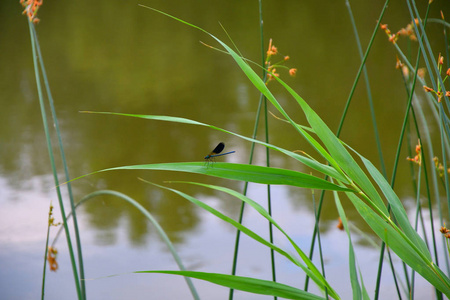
x=116, y=56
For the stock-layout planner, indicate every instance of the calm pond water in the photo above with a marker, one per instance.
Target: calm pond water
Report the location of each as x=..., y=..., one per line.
x=119, y=57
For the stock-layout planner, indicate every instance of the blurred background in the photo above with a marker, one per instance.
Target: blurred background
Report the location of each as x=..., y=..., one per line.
x=117, y=56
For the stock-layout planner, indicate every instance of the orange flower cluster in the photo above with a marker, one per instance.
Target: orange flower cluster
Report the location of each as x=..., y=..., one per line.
x=439, y=167
x=292, y=72
x=421, y=72
x=418, y=158
x=272, y=49
x=401, y=66
x=439, y=93
x=51, y=219
x=51, y=258
x=272, y=68
x=31, y=8
x=407, y=31
x=52, y=252
x=445, y=232
x=392, y=36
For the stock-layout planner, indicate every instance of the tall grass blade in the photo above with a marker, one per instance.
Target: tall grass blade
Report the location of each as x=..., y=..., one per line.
x=265, y=213
x=315, y=165
x=64, y=163
x=441, y=87
x=247, y=284
x=344, y=114
x=397, y=208
x=337, y=150
x=402, y=246
x=34, y=42
x=248, y=71
x=310, y=269
x=241, y=172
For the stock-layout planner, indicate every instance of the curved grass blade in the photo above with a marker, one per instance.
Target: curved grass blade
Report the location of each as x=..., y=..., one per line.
x=155, y=223
x=320, y=283
x=246, y=284
x=351, y=168
x=399, y=243
x=397, y=208
x=356, y=288
x=78, y=274
x=263, y=212
x=337, y=150
x=242, y=172
x=152, y=220
x=313, y=164
x=249, y=72
x=342, y=158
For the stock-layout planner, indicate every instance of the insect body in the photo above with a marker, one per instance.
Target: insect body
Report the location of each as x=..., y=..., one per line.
x=217, y=152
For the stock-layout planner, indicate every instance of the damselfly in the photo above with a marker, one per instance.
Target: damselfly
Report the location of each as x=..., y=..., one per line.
x=216, y=152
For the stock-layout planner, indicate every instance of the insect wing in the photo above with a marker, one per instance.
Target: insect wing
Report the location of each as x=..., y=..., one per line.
x=219, y=148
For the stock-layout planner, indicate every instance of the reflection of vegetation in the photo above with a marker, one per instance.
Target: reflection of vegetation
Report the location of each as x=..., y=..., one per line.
x=148, y=217
x=174, y=215
x=367, y=189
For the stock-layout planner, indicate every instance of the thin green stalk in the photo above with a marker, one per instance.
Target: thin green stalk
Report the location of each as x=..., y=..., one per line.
x=241, y=213
x=425, y=45
x=64, y=163
x=430, y=206
x=438, y=86
x=266, y=125
x=52, y=162
x=434, y=173
x=411, y=3
x=237, y=239
x=444, y=161
x=252, y=150
x=315, y=232
x=391, y=264
x=413, y=277
x=338, y=132
x=369, y=93
x=46, y=253
x=375, y=128
x=394, y=171
x=269, y=198
x=414, y=183
x=426, y=141
x=418, y=209
x=446, y=45
x=361, y=68
x=319, y=243
x=416, y=186
x=423, y=152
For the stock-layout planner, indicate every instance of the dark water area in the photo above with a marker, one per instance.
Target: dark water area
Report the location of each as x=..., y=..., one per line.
x=116, y=56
